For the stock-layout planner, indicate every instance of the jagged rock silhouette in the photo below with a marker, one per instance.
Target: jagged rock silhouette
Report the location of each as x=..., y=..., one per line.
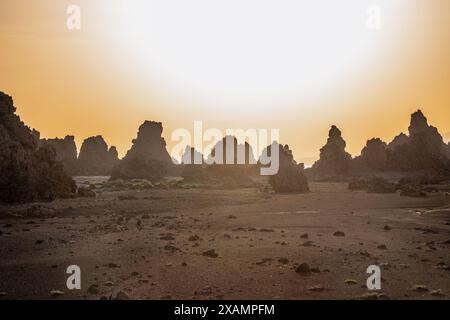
x=334, y=160
x=148, y=157
x=194, y=168
x=234, y=163
x=66, y=152
x=27, y=172
x=399, y=140
x=290, y=176
x=95, y=159
x=229, y=151
x=425, y=148
x=373, y=156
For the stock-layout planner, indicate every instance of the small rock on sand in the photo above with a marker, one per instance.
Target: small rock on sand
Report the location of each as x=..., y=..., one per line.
x=420, y=288
x=56, y=293
x=339, y=234
x=119, y=295
x=210, y=253
x=315, y=289
x=303, y=269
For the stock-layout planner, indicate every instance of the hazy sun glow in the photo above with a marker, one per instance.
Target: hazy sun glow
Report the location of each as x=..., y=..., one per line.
x=252, y=53
x=294, y=65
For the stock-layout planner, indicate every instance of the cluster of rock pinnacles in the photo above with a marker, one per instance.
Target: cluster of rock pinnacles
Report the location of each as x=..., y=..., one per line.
x=34, y=169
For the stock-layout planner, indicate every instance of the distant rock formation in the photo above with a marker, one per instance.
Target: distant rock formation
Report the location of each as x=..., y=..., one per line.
x=290, y=176
x=194, y=168
x=399, y=140
x=149, y=143
x=229, y=151
x=334, y=160
x=95, y=159
x=66, y=152
x=373, y=156
x=191, y=156
x=27, y=172
x=425, y=148
x=232, y=163
x=147, y=158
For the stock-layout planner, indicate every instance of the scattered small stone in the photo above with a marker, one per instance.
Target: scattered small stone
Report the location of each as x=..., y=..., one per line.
x=167, y=237
x=119, y=295
x=113, y=265
x=304, y=236
x=171, y=248
x=266, y=230
x=373, y=296
x=194, y=238
x=387, y=228
x=93, y=289
x=315, y=289
x=437, y=293
x=210, y=253
x=350, y=281
x=339, y=234
x=56, y=293
x=307, y=244
x=231, y=217
x=420, y=288
x=303, y=269
x=382, y=247
x=283, y=260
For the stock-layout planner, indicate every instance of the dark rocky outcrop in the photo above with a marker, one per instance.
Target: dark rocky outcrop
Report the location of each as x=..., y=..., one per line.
x=334, y=160
x=193, y=167
x=290, y=176
x=28, y=172
x=425, y=148
x=147, y=158
x=234, y=163
x=95, y=159
x=66, y=152
x=399, y=140
x=229, y=151
x=149, y=143
x=373, y=156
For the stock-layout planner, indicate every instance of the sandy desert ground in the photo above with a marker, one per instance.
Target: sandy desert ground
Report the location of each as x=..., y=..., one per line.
x=156, y=244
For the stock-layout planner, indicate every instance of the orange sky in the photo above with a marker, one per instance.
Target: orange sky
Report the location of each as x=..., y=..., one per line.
x=91, y=81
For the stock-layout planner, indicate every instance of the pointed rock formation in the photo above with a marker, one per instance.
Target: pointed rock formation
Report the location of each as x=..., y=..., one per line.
x=290, y=176
x=373, y=156
x=147, y=158
x=229, y=151
x=66, y=152
x=95, y=159
x=27, y=172
x=334, y=160
x=425, y=148
x=191, y=156
x=399, y=140
x=231, y=163
x=194, y=169
x=149, y=143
